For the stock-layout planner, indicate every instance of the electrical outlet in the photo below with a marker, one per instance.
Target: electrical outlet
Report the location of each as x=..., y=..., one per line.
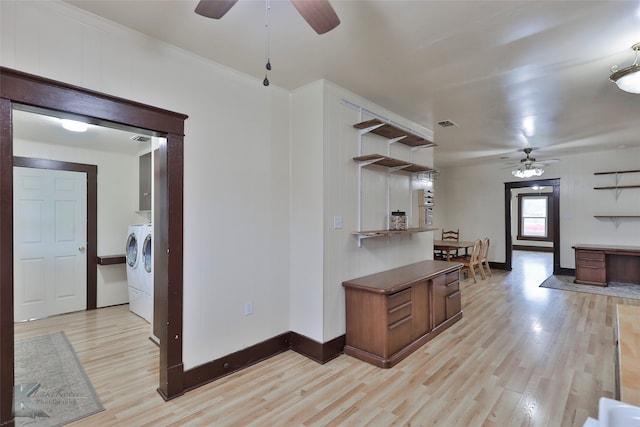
x=248, y=308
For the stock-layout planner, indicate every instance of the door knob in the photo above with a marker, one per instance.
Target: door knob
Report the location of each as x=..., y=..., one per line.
x=81, y=248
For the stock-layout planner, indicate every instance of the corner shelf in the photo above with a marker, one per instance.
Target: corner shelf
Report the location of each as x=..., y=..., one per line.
x=392, y=134
x=389, y=131
x=393, y=165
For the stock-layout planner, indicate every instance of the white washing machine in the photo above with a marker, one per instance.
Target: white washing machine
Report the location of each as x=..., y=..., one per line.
x=147, y=271
x=135, y=278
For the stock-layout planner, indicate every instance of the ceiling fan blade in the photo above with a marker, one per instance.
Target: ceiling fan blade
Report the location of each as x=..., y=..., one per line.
x=318, y=13
x=214, y=8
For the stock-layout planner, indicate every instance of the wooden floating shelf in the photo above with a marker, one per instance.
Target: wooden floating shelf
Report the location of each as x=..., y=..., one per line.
x=111, y=259
x=617, y=216
x=391, y=163
x=389, y=131
x=381, y=233
x=616, y=187
x=615, y=172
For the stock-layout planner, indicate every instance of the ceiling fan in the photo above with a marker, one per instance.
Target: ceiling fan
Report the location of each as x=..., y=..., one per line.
x=529, y=166
x=531, y=161
x=319, y=14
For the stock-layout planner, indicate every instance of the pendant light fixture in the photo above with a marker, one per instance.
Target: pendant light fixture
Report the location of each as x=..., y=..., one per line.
x=628, y=78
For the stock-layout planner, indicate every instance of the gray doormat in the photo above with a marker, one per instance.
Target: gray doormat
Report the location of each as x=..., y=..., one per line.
x=51, y=387
x=615, y=289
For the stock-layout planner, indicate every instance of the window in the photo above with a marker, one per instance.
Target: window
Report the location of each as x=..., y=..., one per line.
x=533, y=221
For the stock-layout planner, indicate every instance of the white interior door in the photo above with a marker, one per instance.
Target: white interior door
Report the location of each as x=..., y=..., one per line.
x=49, y=241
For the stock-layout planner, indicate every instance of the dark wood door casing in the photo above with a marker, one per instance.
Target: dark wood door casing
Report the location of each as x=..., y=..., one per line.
x=554, y=218
x=30, y=92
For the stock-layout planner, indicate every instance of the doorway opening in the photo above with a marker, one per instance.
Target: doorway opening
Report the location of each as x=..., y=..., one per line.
x=544, y=230
x=18, y=88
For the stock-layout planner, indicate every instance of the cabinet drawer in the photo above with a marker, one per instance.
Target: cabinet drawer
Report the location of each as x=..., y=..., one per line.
x=590, y=263
x=588, y=255
x=452, y=287
x=400, y=312
x=453, y=304
x=399, y=298
x=454, y=276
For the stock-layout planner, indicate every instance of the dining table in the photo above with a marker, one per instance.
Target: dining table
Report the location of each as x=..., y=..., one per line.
x=451, y=247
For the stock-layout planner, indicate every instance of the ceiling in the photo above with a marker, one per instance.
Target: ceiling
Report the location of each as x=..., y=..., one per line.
x=510, y=74
x=42, y=126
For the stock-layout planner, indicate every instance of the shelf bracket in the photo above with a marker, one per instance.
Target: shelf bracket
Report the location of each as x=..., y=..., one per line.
x=370, y=128
x=398, y=168
x=392, y=140
x=364, y=163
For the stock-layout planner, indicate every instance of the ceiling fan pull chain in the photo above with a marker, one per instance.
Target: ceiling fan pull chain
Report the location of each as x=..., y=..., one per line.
x=267, y=43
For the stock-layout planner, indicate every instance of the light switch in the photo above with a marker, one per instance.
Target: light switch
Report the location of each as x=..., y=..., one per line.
x=337, y=222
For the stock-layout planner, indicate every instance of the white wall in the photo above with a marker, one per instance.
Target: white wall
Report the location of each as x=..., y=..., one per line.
x=236, y=162
x=265, y=172
x=117, y=200
x=474, y=201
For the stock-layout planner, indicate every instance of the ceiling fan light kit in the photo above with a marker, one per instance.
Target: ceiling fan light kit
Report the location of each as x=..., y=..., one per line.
x=628, y=78
x=527, y=171
x=527, y=167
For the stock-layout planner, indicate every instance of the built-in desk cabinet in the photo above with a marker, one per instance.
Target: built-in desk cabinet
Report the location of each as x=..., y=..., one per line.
x=392, y=313
x=590, y=267
x=601, y=264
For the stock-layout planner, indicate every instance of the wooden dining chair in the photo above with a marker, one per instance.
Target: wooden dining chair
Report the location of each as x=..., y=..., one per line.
x=484, y=251
x=447, y=235
x=472, y=262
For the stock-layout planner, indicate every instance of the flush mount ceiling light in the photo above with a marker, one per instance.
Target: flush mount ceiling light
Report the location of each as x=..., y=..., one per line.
x=74, y=125
x=628, y=78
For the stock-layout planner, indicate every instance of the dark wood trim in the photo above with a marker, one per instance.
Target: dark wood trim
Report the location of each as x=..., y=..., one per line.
x=42, y=93
x=6, y=265
x=30, y=92
x=532, y=248
x=235, y=362
x=168, y=254
x=92, y=214
x=555, y=217
x=319, y=352
x=111, y=259
x=158, y=303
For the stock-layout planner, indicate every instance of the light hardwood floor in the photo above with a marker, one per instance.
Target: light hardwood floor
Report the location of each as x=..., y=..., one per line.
x=521, y=356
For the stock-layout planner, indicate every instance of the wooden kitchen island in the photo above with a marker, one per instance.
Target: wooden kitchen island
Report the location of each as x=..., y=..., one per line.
x=392, y=313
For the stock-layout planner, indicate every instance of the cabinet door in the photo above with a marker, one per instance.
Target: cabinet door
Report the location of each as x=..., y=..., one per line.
x=439, y=294
x=145, y=182
x=421, y=309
